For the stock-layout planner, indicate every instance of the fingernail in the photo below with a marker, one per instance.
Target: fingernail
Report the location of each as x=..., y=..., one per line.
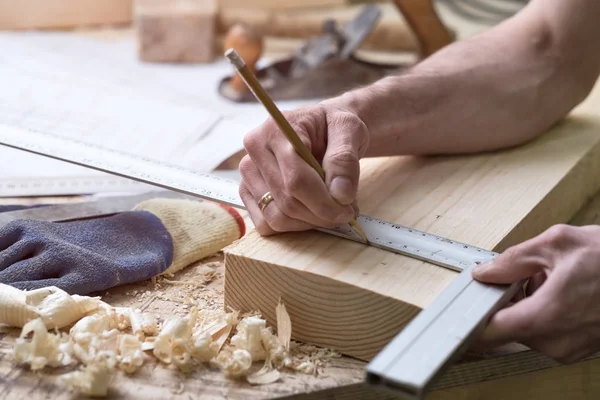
x=341, y=190
x=482, y=267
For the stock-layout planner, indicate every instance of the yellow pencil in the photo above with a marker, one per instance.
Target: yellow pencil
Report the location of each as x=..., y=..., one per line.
x=262, y=96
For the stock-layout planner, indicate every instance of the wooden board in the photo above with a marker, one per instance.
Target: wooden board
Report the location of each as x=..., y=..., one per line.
x=54, y=14
x=176, y=31
x=356, y=298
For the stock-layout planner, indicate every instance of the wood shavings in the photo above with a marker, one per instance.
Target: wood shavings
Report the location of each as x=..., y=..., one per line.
x=248, y=337
x=264, y=377
x=277, y=355
x=188, y=283
x=306, y=367
x=284, y=325
x=107, y=338
x=143, y=324
x=42, y=349
x=174, y=341
x=204, y=274
x=131, y=355
x=235, y=363
x=54, y=306
x=93, y=380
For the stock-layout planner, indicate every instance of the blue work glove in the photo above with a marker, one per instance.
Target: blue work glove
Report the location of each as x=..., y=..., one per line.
x=81, y=257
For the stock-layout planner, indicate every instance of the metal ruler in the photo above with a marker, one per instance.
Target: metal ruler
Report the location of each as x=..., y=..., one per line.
x=423, y=349
x=47, y=186
x=86, y=209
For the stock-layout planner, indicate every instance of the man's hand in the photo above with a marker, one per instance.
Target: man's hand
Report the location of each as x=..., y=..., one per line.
x=302, y=200
x=559, y=314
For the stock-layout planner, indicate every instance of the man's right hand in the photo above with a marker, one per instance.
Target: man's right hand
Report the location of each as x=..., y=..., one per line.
x=301, y=199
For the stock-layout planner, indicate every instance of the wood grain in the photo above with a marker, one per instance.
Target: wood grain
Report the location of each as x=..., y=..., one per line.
x=360, y=297
x=62, y=14
x=176, y=31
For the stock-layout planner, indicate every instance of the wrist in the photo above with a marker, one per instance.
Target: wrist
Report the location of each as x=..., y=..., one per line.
x=377, y=107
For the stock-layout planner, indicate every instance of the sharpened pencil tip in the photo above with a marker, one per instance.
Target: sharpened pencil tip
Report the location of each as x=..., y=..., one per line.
x=358, y=229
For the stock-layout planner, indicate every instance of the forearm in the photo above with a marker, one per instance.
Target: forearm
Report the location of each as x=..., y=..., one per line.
x=499, y=89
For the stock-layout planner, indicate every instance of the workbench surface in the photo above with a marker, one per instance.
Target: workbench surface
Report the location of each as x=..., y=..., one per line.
x=502, y=372
x=515, y=375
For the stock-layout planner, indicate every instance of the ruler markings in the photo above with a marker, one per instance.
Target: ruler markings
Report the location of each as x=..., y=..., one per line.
x=393, y=237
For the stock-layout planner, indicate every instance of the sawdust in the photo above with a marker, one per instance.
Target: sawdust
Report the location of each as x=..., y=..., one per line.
x=177, y=321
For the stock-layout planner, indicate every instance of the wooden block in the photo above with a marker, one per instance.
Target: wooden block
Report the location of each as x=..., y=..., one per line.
x=356, y=298
x=61, y=14
x=280, y=4
x=176, y=31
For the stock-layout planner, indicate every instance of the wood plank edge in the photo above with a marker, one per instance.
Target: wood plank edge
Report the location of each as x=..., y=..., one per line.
x=323, y=311
x=574, y=191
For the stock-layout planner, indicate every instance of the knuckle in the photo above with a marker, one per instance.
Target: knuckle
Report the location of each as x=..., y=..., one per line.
x=288, y=204
x=245, y=166
x=252, y=140
x=510, y=255
x=275, y=222
x=263, y=229
x=344, y=156
x=558, y=234
x=244, y=192
x=347, y=121
x=294, y=181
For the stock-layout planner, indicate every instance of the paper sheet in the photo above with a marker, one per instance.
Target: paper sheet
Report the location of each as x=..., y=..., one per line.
x=97, y=91
x=115, y=61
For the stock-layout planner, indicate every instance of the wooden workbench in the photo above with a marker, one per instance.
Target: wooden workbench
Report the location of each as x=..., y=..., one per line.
x=340, y=378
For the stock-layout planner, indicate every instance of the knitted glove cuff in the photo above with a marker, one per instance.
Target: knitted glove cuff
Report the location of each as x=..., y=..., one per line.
x=198, y=229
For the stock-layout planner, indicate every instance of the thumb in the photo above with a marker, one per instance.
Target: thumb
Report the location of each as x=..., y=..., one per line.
x=342, y=168
x=515, y=264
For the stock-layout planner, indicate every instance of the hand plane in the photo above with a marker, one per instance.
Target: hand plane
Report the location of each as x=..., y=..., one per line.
x=327, y=65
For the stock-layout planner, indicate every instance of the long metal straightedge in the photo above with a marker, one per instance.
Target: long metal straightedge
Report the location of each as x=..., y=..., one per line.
x=420, y=352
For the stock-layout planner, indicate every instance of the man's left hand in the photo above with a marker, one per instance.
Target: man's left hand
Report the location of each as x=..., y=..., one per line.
x=559, y=313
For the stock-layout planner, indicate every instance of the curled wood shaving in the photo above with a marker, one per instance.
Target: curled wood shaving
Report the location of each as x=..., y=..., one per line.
x=143, y=324
x=284, y=325
x=131, y=355
x=43, y=348
x=174, y=341
x=249, y=338
x=234, y=363
x=264, y=377
x=54, y=306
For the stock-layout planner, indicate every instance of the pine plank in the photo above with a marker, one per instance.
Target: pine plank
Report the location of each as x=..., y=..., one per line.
x=356, y=298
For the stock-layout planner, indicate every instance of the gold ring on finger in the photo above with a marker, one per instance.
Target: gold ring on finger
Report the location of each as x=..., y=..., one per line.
x=264, y=201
